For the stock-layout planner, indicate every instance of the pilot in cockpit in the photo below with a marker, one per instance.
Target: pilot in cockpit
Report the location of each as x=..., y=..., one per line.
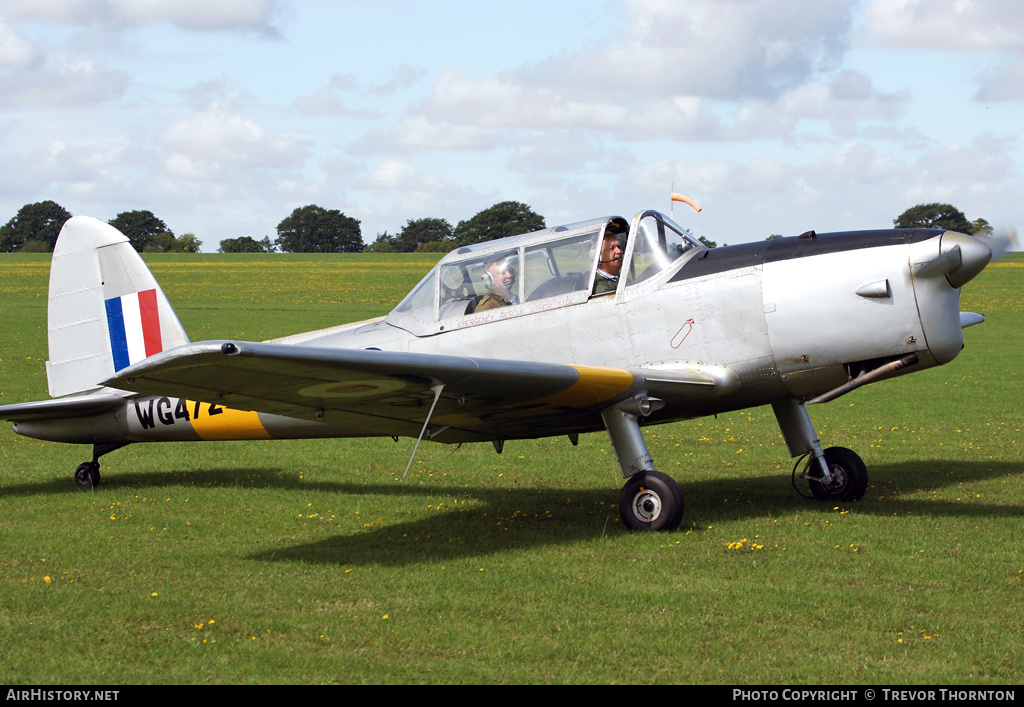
x=500, y=277
x=609, y=265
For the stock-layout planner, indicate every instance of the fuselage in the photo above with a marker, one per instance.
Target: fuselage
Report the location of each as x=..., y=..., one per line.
x=791, y=317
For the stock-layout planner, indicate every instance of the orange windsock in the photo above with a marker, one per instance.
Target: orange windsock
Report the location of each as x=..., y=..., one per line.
x=686, y=200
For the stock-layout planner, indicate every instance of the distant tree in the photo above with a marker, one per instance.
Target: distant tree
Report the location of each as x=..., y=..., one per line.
x=942, y=216
x=385, y=243
x=981, y=227
x=246, y=244
x=159, y=243
x=313, y=229
x=435, y=247
x=774, y=236
x=418, y=232
x=187, y=243
x=708, y=242
x=509, y=218
x=141, y=227
x=34, y=229
x=35, y=247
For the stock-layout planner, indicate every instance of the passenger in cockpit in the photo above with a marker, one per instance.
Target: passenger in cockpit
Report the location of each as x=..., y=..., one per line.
x=500, y=278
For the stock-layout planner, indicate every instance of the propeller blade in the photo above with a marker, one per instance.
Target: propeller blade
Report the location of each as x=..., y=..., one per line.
x=1006, y=239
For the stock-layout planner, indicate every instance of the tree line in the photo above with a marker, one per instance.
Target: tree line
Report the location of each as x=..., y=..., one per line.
x=314, y=229
x=308, y=229
x=36, y=226
x=436, y=235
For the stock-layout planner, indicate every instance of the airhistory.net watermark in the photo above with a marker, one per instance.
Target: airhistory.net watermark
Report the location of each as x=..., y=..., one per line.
x=49, y=695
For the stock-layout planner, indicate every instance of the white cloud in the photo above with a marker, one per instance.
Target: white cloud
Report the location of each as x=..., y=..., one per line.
x=101, y=170
x=466, y=114
x=985, y=164
x=16, y=52
x=56, y=11
x=397, y=176
x=201, y=15
x=62, y=85
x=196, y=15
x=501, y=101
x=995, y=27
x=1002, y=82
x=975, y=25
x=337, y=99
x=479, y=115
x=847, y=102
x=414, y=191
x=344, y=96
x=402, y=77
x=419, y=132
x=704, y=48
x=699, y=71
x=557, y=152
x=219, y=143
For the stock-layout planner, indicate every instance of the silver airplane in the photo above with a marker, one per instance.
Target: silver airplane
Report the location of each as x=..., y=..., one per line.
x=604, y=324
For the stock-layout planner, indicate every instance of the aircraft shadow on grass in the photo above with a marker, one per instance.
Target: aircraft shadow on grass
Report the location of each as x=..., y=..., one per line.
x=492, y=520
x=500, y=519
x=519, y=518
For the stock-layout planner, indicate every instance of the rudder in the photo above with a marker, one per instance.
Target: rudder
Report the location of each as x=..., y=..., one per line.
x=105, y=309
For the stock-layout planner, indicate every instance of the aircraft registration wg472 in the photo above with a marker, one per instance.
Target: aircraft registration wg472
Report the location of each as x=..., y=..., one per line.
x=604, y=324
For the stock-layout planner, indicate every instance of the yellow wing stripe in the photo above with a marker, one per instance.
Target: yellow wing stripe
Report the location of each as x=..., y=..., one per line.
x=596, y=385
x=220, y=423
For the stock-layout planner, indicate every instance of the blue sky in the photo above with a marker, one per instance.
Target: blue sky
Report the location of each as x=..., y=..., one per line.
x=222, y=116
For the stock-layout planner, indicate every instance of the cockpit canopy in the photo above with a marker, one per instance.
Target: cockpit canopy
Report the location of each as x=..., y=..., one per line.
x=538, y=271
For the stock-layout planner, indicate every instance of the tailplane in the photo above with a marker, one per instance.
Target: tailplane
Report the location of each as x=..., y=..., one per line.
x=105, y=310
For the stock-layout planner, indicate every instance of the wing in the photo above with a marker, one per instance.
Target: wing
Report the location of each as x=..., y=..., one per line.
x=387, y=392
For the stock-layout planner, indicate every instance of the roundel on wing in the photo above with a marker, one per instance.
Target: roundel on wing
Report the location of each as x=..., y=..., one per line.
x=352, y=389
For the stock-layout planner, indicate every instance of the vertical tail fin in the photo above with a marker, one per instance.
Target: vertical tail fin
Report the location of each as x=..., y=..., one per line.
x=105, y=310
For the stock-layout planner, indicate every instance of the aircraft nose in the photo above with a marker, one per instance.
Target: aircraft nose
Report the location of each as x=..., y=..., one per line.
x=973, y=255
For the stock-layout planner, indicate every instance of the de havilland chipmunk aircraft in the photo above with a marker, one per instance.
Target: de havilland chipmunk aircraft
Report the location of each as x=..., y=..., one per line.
x=604, y=324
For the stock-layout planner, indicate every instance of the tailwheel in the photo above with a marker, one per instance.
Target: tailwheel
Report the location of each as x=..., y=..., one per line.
x=87, y=475
x=848, y=476
x=651, y=500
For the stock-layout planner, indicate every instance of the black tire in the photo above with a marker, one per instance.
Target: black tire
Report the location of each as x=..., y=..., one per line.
x=87, y=475
x=651, y=500
x=849, y=476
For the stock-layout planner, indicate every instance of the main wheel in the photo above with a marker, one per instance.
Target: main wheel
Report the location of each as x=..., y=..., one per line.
x=651, y=500
x=849, y=476
x=87, y=475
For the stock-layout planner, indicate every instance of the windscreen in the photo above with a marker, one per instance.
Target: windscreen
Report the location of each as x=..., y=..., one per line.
x=659, y=243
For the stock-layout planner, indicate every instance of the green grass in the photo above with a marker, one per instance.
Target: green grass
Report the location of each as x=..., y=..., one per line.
x=313, y=562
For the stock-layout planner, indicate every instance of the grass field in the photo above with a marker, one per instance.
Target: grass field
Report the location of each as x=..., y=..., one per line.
x=313, y=562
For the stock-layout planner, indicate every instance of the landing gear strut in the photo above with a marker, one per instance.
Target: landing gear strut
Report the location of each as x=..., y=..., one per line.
x=87, y=475
x=650, y=500
x=834, y=474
